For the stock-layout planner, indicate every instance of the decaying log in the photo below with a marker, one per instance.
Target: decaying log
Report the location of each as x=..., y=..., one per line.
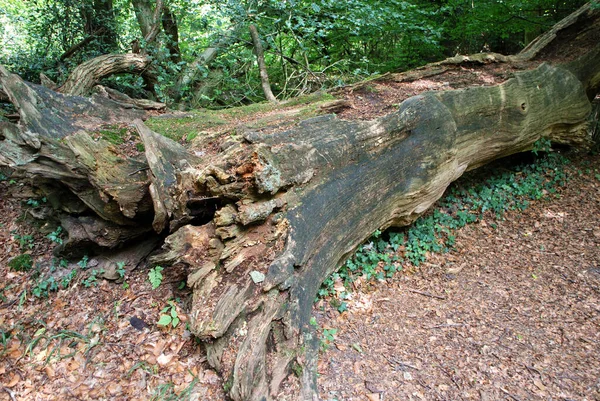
x=127, y=102
x=315, y=192
x=52, y=143
x=263, y=221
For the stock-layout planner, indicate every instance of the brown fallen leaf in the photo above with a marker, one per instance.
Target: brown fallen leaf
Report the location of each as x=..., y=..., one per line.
x=164, y=359
x=13, y=381
x=372, y=387
x=374, y=396
x=341, y=347
x=538, y=383
x=456, y=270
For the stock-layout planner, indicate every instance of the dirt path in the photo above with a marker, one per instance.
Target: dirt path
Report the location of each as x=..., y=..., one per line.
x=513, y=314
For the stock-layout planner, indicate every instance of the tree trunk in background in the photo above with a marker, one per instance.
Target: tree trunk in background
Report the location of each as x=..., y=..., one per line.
x=262, y=67
x=145, y=13
x=100, y=24
x=169, y=24
x=193, y=71
x=262, y=219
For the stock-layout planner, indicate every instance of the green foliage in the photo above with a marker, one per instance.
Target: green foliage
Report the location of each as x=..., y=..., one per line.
x=83, y=263
x=25, y=241
x=166, y=392
x=542, y=145
x=21, y=263
x=384, y=254
x=309, y=45
x=121, y=269
x=35, y=202
x=155, y=276
x=44, y=287
x=56, y=235
x=169, y=316
x=92, y=279
x=327, y=338
x=499, y=26
x=66, y=280
x=114, y=134
x=54, y=343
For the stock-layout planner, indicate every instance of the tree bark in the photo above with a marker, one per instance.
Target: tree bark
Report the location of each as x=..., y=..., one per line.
x=263, y=221
x=169, y=24
x=148, y=17
x=262, y=66
x=127, y=102
x=85, y=76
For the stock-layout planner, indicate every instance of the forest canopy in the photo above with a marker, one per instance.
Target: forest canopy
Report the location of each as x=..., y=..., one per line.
x=201, y=52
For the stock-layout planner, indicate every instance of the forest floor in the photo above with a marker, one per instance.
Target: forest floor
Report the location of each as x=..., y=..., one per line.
x=512, y=313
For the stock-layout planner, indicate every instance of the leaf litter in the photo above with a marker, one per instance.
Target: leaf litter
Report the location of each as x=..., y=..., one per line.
x=513, y=313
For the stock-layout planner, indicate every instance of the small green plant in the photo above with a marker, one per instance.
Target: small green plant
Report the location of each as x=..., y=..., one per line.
x=35, y=202
x=541, y=145
x=44, y=287
x=328, y=338
x=121, y=269
x=83, y=263
x=155, y=276
x=21, y=263
x=169, y=316
x=297, y=369
x=66, y=280
x=228, y=384
x=25, y=241
x=53, y=344
x=92, y=280
x=55, y=236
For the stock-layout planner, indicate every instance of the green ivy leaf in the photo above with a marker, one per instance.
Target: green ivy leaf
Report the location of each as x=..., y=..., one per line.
x=165, y=320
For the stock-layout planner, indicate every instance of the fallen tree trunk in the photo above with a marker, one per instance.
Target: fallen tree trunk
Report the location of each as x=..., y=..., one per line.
x=262, y=221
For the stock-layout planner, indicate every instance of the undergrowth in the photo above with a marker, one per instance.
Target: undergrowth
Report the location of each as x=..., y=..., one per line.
x=384, y=254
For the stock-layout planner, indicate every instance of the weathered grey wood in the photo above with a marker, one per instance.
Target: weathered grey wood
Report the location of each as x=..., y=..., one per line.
x=85, y=76
x=166, y=159
x=52, y=144
x=127, y=102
